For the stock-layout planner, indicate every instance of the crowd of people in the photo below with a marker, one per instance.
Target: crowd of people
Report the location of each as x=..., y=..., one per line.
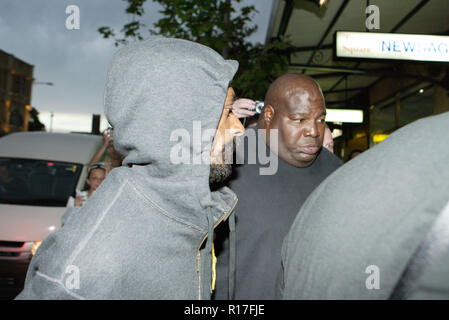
x=213, y=230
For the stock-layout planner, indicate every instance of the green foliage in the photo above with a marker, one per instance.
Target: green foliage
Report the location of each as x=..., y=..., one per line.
x=216, y=24
x=34, y=123
x=210, y=22
x=260, y=68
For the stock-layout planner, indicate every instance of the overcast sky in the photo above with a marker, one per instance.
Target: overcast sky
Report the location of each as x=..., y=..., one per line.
x=75, y=61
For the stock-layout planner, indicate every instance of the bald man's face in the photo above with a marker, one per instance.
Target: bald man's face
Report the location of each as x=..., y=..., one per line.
x=300, y=120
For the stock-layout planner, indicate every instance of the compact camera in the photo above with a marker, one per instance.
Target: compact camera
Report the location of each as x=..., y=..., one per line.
x=258, y=106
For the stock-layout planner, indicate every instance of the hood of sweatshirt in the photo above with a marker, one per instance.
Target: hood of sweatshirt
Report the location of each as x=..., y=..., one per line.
x=164, y=98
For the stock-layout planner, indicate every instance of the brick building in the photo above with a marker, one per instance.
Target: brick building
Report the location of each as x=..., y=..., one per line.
x=16, y=79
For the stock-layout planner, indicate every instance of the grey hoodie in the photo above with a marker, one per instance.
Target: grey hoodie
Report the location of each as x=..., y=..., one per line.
x=142, y=235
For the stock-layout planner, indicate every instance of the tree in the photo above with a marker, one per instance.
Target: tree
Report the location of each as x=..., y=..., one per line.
x=34, y=123
x=216, y=24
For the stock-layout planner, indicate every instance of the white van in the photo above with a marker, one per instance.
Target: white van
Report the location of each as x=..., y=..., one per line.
x=38, y=173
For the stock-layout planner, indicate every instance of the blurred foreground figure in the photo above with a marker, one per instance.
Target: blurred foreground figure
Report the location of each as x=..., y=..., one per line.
x=360, y=233
x=146, y=232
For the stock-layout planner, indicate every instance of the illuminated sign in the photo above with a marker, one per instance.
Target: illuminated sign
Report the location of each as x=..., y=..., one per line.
x=373, y=45
x=344, y=115
x=379, y=137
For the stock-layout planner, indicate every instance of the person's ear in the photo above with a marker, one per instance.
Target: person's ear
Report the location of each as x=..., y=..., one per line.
x=267, y=115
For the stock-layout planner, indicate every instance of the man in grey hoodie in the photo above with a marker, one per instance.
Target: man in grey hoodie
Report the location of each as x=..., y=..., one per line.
x=142, y=235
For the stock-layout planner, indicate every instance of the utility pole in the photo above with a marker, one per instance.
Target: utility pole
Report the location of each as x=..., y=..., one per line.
x=47, y=83
x=51, y=122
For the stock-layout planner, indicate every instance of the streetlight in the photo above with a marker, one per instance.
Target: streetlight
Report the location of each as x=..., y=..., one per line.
x=51, y=115
x=51, y=121
x=319, y=3
x=43, y=82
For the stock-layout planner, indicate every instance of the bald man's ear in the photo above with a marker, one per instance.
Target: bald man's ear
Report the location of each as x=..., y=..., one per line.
x=267, y=115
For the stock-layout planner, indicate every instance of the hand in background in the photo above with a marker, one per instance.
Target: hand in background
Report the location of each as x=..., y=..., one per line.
x=79, y=200
x=240, y=108
x=107, y=138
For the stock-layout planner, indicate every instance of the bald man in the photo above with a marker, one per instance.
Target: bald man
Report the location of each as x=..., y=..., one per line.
x=294, y=113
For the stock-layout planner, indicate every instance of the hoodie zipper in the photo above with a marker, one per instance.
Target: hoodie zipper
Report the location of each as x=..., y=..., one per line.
x=198, y=255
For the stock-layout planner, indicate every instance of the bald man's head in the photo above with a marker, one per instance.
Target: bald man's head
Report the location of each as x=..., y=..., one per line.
x=283, y=87
x=294, y=105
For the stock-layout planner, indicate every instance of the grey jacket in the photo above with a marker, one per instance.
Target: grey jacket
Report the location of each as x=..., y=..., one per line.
x=143, y=234
x=356, y=233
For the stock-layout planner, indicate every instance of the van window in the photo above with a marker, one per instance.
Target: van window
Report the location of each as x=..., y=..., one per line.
x=37, y=182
